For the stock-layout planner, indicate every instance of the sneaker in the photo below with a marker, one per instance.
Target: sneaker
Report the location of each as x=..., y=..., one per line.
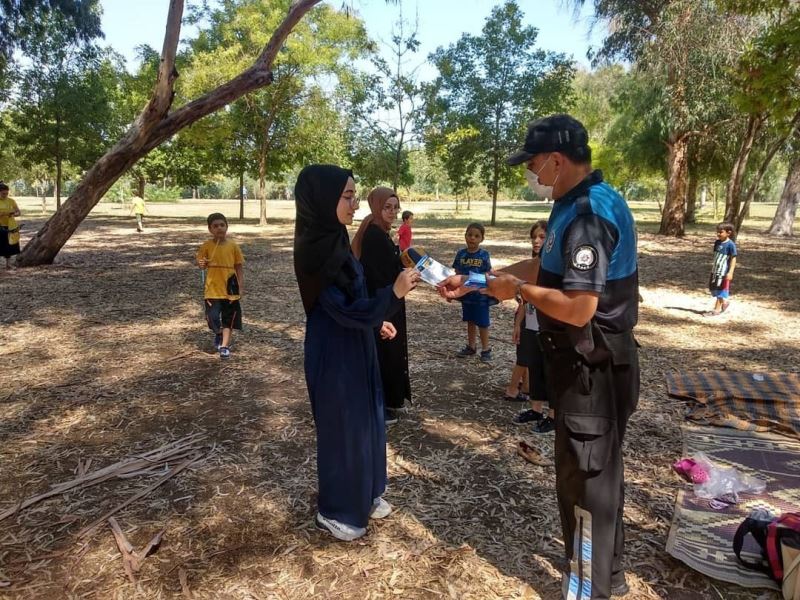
x=465, y=351
x=528, y=416
x=390, y=416
x=380, y=509
x=546, y=425
x=346, y=533
x=224, y=352
x=217, y=341
x=486, y=356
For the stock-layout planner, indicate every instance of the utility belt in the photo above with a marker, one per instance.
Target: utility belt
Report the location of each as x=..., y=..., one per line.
x=593, y=345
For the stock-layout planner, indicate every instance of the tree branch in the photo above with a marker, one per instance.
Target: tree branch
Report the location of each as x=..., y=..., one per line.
x=296, y=12
x=164, y=91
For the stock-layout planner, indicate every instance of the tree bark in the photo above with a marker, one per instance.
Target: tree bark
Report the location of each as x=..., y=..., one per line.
x=154, y=126
x=674, y=213
x=783, y=221
x=141, y=184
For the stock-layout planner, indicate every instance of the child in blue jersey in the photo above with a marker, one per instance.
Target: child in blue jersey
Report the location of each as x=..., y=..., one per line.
x=474, y=306
x=723, y=268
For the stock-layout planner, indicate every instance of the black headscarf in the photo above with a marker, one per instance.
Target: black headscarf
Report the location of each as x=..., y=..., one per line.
x=321, y=243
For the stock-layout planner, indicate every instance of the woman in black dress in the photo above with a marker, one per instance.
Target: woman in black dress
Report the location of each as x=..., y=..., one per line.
x=380, y=257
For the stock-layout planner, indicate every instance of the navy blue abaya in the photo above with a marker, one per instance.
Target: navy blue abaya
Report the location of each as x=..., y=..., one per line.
x=344, y=384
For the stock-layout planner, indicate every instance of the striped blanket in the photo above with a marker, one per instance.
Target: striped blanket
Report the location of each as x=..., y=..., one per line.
x=746, y=401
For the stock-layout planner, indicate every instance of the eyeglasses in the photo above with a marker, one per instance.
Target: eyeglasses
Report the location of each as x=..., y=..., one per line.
x=354, y=201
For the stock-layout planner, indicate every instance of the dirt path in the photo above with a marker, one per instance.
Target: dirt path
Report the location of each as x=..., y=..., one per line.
x=106, y=355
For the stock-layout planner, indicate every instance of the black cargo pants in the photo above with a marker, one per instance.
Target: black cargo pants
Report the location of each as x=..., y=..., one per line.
x=594, y=396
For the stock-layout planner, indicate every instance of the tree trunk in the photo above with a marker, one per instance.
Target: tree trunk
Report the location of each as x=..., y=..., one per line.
x=154, y=126
x=674, y=213
x=241, y=195
x=691, y=198
x=733, y=191
x=783, y=221
x=262, y=190
x=58, y=180
x=762, y=170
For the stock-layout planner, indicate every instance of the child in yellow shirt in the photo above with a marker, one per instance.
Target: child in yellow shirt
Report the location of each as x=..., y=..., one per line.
x=222, y=260
x=9, y=230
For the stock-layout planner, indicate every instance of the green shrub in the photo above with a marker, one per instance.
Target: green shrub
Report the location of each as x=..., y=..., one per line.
x=153, y=193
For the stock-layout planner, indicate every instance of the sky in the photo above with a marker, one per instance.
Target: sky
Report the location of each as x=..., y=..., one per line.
x=128, y=24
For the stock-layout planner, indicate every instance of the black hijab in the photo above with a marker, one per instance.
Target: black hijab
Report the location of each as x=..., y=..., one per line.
x=321, y=243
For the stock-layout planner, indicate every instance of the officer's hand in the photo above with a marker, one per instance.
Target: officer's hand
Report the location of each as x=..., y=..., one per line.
x=503, y=286
x=453, y=287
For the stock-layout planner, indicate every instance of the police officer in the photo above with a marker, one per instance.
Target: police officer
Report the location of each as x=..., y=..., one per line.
x=586, y=293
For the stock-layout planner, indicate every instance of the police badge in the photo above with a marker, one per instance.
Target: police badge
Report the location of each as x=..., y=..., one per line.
x=584, y=258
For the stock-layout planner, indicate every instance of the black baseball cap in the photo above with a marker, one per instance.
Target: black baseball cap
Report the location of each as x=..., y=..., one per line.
x=556, y=133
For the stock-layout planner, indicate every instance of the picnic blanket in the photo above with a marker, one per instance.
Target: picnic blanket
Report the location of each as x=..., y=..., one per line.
x=702, y=537
x=746, y=401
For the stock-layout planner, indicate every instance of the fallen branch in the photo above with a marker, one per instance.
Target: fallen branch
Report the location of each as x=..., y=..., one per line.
x=141, y=464
x=172, y=472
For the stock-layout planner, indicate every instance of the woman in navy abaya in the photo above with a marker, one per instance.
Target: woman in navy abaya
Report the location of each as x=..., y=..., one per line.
x=341, y=362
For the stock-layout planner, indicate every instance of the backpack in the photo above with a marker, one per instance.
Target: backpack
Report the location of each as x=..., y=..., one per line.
x=779, y=540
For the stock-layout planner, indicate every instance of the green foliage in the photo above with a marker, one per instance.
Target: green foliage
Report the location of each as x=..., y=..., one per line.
x=385, y=110
x=291, y=121
x=63, y=115
x=155, y=193
x=25, y=23
x=488, y=87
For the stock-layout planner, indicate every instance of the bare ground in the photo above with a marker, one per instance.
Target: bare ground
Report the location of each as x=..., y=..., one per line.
x=105, y=356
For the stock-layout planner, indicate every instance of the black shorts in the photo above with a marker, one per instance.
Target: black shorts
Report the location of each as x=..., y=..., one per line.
x=223, y=314
x=7, y=249
x=536, y=380
x=526, y=338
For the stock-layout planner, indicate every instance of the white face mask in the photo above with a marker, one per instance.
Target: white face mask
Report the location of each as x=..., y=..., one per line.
x=545, y=191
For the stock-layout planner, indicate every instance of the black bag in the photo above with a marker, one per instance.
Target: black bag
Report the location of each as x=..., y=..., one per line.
x=233, y=285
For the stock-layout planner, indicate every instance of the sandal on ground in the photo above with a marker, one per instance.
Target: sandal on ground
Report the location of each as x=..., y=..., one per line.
x=712, y=313
x=532, y=456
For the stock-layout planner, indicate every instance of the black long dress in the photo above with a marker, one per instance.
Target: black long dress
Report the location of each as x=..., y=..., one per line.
x=380, y=258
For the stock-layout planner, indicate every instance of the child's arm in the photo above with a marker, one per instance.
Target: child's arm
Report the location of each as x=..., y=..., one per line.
x=519, y=316
x=729, y=276
x=239, y=277
x=202, y=259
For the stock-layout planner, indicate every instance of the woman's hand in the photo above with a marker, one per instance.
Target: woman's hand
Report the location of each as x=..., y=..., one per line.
x=388, y=331
x=503, y=286
x=405, y=282
x=515, y=336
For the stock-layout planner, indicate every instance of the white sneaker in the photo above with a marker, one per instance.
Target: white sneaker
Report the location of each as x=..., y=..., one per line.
x=380, y=509
x=346, y=533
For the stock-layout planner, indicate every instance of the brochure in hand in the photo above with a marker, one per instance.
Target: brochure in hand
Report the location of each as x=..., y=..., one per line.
x=431, y=271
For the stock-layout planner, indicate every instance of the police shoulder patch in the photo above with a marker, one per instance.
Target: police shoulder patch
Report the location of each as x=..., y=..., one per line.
x=584, y=258
x=551, y=238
